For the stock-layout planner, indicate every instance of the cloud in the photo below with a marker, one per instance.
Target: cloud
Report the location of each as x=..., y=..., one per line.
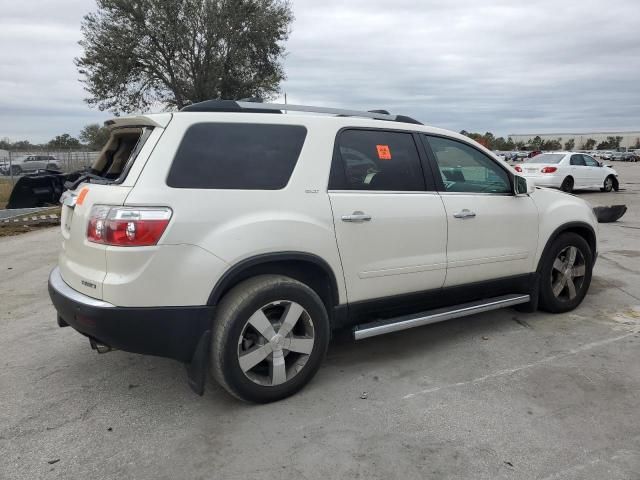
x=502, y=66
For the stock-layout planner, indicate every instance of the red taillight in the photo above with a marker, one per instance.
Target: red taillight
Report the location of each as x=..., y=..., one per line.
x=549, y=169
x=127, y=226
x=518, y=168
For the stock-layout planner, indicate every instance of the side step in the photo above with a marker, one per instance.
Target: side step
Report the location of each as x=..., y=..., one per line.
x=388, y=325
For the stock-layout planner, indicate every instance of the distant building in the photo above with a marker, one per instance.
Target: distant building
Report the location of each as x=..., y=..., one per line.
x=629, y=139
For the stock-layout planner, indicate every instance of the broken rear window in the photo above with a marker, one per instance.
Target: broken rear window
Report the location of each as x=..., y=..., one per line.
x=120, y=152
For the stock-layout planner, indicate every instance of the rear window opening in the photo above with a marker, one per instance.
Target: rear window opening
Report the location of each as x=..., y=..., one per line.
x=120, y=152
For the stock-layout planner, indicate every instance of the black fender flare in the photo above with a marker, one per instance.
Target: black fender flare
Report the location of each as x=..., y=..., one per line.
x=235, y=271
x=568, y=227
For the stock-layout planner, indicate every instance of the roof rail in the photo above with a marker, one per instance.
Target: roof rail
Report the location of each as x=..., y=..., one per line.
x=253, y=107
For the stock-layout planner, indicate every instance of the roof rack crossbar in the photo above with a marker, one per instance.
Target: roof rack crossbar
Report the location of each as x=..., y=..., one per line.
x=229, y=105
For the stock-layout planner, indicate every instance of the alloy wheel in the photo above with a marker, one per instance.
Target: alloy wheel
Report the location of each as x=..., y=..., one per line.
x=276, y=343
x=568, y=273
x=608, y=184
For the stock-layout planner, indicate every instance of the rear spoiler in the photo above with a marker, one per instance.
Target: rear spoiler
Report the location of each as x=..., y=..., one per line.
x=153, y=120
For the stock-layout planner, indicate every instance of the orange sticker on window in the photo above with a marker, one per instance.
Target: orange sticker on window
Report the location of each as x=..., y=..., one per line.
x=81, y=195
x=383, y=152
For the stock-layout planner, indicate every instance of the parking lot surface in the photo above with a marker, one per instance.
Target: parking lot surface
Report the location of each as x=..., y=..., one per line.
x=498, y=395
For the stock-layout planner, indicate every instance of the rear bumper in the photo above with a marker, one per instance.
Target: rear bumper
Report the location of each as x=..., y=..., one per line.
x=540, y=181
x=171, y=332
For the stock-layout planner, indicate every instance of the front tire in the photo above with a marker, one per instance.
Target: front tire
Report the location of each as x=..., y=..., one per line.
x=608, y=184
x=567, y=185
x=565, y=273
x=269, y=338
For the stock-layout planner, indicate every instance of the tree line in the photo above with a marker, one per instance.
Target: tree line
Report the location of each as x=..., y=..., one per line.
x=92, y=137
x=492, y=142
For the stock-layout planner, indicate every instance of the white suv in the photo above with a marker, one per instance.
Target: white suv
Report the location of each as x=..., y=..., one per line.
x=32, y=163
x=235, y=237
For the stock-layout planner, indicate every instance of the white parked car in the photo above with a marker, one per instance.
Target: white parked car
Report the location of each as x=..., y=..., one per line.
x=569, y=171
x=31, y=163
x=235, y=238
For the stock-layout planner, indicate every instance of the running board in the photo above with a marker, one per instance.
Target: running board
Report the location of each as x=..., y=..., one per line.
x=380, y=327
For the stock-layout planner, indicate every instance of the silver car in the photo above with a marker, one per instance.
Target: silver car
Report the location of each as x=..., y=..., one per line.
x=32, y=163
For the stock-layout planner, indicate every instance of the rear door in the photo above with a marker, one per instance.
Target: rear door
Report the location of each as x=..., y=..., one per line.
x=390, y=224
x=491, y=232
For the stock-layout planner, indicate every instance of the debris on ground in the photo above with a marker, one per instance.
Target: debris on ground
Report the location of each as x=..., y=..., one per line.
x=27, y=222
x=609, y=214
x=39, y=189
x=55, y=460
x=364, y=395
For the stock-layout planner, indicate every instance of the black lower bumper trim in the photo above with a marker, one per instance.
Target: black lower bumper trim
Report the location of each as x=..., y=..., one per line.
x=172, y=332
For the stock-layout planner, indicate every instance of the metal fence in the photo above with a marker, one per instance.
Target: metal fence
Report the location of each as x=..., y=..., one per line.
x=69, y=160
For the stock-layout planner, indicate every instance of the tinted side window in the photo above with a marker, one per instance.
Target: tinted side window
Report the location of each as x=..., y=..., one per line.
x=237, y=155
x=577, y=160
x=465, y=169
x=376, y=160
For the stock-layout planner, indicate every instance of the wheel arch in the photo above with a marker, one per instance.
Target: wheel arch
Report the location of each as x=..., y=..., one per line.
x=583, y=229
x=307, y=268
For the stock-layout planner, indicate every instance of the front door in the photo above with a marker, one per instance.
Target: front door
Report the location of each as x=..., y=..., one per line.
x=595, y=172
x=491, y=232
x=579, y=171
x=390, y=225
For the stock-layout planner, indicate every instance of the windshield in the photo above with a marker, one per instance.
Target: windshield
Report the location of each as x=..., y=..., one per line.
x=547, y=158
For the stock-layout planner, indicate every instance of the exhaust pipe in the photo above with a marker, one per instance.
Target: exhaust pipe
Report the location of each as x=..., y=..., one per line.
x=99, y=347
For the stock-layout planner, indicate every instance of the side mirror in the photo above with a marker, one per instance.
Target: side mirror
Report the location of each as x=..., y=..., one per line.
x=522, y=186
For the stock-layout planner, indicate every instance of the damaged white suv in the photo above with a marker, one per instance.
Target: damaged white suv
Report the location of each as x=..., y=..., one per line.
x=235, y=237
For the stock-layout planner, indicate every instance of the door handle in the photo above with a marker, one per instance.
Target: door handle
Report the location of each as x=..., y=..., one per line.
x=464, y=213
x=356, y=217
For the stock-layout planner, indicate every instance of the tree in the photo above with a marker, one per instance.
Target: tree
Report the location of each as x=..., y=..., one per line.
x=551, y=144
x=611, y=143
x=637, y=145
x=569, y=144
x=589, y=144
x=536, y=143
x=23, y=145
x=95, y=136
x=64, y=142
x=142, y=52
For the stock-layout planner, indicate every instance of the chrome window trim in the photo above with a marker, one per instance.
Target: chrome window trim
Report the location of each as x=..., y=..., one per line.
x=388, y=192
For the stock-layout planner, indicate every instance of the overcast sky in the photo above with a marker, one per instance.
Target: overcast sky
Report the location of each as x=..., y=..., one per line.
x=503, y=66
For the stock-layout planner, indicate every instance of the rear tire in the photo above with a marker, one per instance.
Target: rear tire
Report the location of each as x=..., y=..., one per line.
x=565, y=273
x=269, y=337
x=567, y=185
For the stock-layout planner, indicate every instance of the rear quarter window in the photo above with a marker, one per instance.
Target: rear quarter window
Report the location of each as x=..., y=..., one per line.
x=237, y=156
